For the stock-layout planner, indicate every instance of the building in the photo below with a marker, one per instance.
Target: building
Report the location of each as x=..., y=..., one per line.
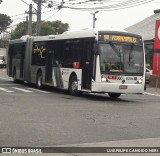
x=147, y=28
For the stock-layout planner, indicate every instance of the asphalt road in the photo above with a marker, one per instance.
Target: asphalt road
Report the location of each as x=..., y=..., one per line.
x=29, y=117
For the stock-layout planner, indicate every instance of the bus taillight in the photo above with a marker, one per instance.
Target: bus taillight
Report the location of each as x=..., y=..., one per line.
x=76, y=65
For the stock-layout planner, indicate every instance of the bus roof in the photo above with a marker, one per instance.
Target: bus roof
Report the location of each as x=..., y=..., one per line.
x=21, y=40
x=84, y=33
x=72, y=35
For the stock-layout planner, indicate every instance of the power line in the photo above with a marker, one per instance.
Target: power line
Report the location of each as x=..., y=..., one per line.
x=17, y=15
x=88, y=5
x=53, y=14
x=24, y=2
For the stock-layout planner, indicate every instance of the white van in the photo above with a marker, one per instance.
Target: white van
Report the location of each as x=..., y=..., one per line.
x=2, y=61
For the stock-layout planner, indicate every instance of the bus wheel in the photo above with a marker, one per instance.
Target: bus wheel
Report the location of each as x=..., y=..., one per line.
x=73, y=86
x=39, y=81
x=114, y=95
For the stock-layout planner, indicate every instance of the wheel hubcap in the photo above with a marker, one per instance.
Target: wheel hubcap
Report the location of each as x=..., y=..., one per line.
x=74, y=85
x=39, y=81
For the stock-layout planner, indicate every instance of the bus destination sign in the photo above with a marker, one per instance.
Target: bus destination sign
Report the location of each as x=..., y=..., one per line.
x=119, y=38
x=124, y=39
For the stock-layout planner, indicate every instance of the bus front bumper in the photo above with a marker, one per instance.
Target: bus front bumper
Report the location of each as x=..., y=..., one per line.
x=117, y=88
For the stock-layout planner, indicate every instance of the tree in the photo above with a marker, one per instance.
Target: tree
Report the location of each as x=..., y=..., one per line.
x=5, y=21
x=19, y=31
x=3, y=43
x=47, y=28
x=59, y=26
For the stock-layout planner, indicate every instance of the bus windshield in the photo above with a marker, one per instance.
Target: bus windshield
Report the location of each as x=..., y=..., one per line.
x=121, y=58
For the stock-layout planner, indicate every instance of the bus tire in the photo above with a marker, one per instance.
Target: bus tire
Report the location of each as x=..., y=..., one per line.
x=39, y=81
x=73, y=86
x=114, y=95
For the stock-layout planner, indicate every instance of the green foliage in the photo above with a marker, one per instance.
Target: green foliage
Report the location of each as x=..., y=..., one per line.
x=59, y=26
x=3, y=43
x=19, y=31
x=47, y=28
x=5, y=21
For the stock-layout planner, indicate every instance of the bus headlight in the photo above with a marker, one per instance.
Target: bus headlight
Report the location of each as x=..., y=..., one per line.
x=103, y=79
x=140, y=80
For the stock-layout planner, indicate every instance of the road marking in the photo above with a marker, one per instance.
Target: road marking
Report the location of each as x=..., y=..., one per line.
x=9, y=84
x=42, y=91
x=6, y=78
x=23, y=90
x=6, y=90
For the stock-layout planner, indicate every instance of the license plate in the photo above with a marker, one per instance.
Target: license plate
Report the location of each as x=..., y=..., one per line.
x=123, y=87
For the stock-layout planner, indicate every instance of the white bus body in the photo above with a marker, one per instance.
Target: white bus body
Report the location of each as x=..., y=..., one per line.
x=94, y=61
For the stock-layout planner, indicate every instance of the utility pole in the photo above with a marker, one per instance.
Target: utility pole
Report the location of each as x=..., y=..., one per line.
x=30, y=20
x=26, y=25
x=39, y=3
x=38, y=26
x=94, y=18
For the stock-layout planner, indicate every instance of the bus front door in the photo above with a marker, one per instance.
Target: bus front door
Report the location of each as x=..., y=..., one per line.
x=10, y=60
x=22, y=62
x=49, y=64
x=86, y=65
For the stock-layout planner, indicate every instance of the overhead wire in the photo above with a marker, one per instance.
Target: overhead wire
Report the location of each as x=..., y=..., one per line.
x=24, y=2
x=88, y=5
x=52, y=14
x=122, y=5
x=17, y=15
x=88, y=2
x=91, y=5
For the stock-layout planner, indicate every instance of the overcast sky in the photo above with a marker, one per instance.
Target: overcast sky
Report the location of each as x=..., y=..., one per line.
x=83, y=19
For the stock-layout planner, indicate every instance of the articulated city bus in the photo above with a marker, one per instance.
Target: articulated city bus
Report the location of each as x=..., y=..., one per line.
x=93, y=61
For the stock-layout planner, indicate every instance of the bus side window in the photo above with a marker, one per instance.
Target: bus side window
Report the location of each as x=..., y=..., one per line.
x=67, y=54
x=77, y=50
x=39, y=53
x=73, y=52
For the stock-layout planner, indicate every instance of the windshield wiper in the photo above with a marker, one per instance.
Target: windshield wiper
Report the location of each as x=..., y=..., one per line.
x=118, y=53
x=130, y=52
x=114, y=48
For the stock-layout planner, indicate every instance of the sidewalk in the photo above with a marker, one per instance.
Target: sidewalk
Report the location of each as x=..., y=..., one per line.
x=152, y=91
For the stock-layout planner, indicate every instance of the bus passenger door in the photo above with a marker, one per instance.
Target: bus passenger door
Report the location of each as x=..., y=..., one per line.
x=10, y=59
x=87, y=64
x=22, y=61
x=49, y=64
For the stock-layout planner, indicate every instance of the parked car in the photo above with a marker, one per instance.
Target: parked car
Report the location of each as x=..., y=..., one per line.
x=148, y=66
x=148, y=74
x=2, y=61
